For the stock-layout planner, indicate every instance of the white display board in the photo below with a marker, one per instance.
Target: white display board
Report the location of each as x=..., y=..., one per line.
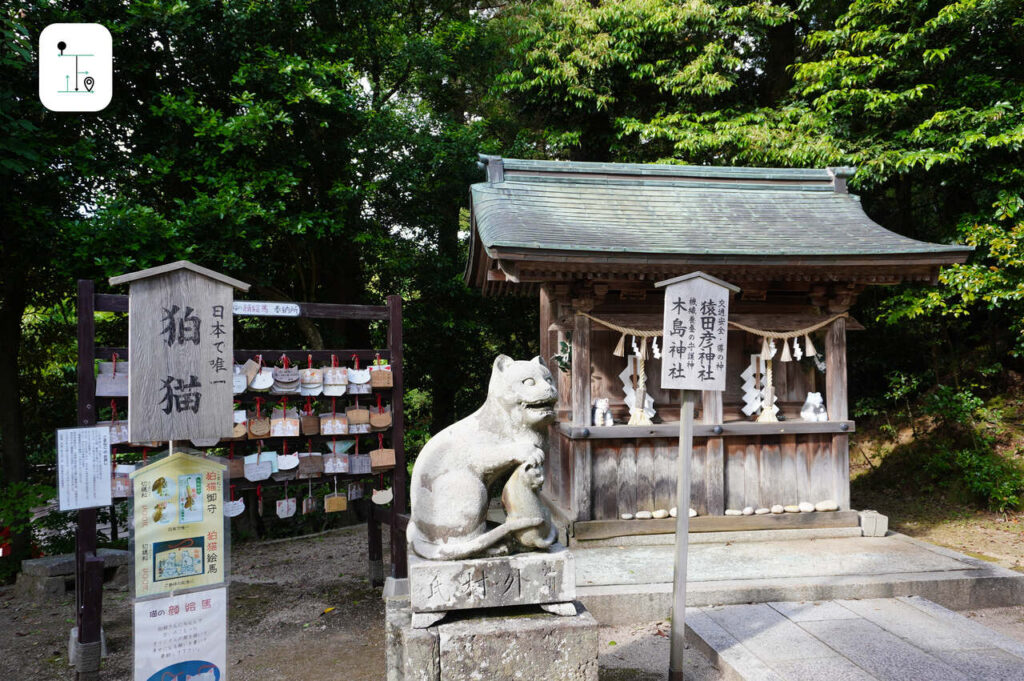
x=182, y=638
x=83, y=467
x=695, y=328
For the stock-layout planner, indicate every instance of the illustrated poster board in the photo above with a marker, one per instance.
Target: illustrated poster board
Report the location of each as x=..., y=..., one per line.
x=180, y=538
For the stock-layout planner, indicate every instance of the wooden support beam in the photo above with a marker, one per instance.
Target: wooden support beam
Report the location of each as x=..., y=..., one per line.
x=841, y=470
x=582, y=462
x=88, y=594
x=547, y=317
x=714, y=454
x=836, y=404
x=835, y=371
x=581, y=371
x=581, y=451
x=399, y=484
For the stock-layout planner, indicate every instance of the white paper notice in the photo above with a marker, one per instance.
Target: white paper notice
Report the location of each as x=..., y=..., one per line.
x=182, y=637
x=83, y=467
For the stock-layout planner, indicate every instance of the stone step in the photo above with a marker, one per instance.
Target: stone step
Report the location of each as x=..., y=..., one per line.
x=631, y=584
x=54, y=576
x=884, y=639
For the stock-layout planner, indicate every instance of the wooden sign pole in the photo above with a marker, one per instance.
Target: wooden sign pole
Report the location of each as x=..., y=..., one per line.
x=675, y=660
x=695, y=339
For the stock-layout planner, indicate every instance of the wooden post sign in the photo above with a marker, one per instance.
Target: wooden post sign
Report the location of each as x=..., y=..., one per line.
x=694, y=344
x=695, y=331
x=181, y=352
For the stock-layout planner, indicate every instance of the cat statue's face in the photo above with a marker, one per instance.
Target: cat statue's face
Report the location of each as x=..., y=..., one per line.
x=602, y=404
x=525, y=390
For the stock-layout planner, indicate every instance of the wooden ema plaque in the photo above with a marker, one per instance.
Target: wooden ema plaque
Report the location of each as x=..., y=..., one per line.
x=180, y=345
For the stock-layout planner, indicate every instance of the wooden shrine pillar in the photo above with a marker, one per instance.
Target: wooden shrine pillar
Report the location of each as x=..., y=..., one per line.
x=581, y=452
x=835, y=403
x=714, y=458
x=547, y=316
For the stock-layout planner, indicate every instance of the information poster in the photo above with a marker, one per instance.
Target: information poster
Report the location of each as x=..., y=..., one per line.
x=182, y=638
x=83, y=467
x=179, y=525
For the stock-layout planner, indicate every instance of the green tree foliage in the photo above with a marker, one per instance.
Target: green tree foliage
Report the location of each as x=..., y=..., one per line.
x=580, y=75
x=320, y=151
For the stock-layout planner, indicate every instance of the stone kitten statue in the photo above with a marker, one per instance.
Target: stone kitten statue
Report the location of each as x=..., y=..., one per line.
x=452, y=474
x=521, y=499
x=601, y=414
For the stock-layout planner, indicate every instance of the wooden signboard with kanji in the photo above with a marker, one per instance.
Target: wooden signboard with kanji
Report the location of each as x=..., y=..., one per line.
x=181, y=350
x=695, y=332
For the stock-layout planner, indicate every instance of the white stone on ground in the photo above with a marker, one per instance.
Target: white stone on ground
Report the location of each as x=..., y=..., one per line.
x=644, y=515
x=827, y=505
x=806, y=507
x=778, y=508
x=626, y=516
x=733, y=511
x=693, y=513
x=791, y=509
x=748, y=510
x=660, y=513
x=762, y=511
x=673, y=511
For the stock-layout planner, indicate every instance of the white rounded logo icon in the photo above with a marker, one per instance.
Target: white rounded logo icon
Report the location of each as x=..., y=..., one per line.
x=75, y=67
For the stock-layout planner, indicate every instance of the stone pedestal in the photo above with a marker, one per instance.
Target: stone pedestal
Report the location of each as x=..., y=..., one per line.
x=512, y=644
x=538, y=578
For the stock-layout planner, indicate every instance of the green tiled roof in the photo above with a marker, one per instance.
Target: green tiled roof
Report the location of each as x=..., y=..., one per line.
x=680, y=210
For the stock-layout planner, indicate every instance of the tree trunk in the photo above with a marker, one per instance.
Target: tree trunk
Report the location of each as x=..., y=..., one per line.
x=12, y=433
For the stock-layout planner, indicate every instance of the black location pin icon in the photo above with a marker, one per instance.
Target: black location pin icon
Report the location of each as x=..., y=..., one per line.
x=89, y=81
x=62, y=46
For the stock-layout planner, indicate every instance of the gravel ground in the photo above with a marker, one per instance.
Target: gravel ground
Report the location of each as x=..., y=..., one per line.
x=277, y=626
x=279, y=631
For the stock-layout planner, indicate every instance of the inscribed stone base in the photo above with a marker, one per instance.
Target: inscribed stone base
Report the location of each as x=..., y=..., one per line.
x=521, y=579
x=521, y=644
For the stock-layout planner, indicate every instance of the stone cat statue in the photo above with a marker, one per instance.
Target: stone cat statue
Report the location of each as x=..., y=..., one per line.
x=452, y=474
x=601, y=414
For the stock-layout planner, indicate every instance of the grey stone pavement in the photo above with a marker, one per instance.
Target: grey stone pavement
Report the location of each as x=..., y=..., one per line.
x=886, y=639
x=632, y=584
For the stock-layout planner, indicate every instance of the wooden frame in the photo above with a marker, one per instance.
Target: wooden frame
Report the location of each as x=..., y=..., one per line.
x=88, y=596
